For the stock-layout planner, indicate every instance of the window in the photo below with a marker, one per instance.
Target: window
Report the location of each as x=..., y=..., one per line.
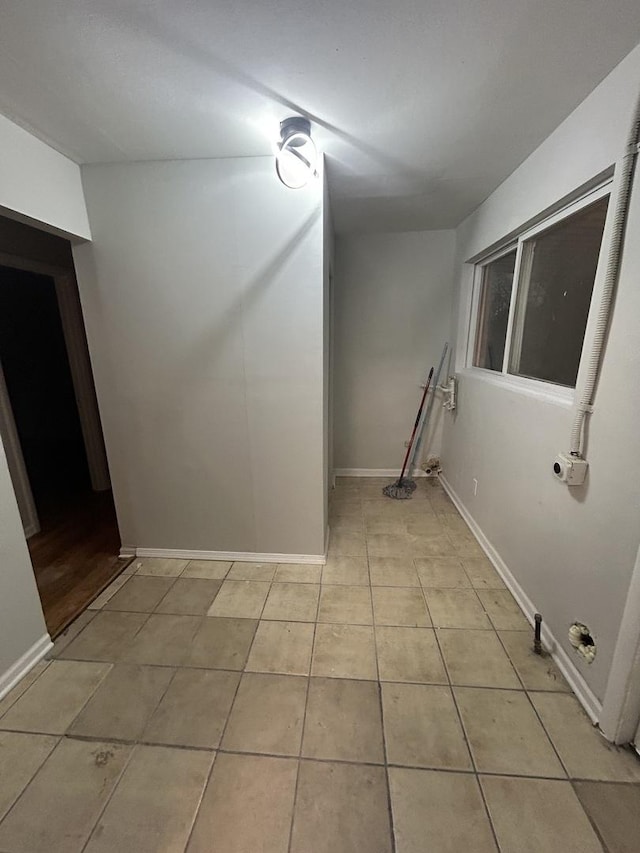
x=493, y=314
x=533, y=300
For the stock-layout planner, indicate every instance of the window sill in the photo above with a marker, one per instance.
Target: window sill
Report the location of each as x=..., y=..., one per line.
x=554, y=394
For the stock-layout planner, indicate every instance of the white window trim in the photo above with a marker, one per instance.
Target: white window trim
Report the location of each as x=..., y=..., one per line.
x=540, y=388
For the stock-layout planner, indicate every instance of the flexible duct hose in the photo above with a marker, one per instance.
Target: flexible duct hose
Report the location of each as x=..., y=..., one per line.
x=611, y=276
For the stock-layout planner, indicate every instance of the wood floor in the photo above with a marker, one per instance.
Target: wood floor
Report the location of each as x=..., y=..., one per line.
x=75, y=555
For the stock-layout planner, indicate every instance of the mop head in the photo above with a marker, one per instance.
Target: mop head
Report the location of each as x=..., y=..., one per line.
x=401, y=490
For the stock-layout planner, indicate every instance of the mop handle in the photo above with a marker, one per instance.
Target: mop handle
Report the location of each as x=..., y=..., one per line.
x=415, y=426
x=427, y=413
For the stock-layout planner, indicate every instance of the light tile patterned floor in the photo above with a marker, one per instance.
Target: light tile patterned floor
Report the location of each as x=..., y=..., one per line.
x=389, y=701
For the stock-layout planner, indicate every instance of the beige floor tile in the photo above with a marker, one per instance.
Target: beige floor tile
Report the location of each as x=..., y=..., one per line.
x=465, y=546
x=456, y=525
x=342, y=512
x=409, y=654
x=399, y=606
x=392, y=571
x=377, y=508
x=240, y=599
x=347, y=543
x=267, y=715
x=585, y=753
x=221, y=643
x=379, y=524
x=341, y=499
x=21, y=756
x=344, y=651
x=346, y=570
x=370, y=488
x=481, y=573
x=106, y=637
x=343, y=721
x=108, y=593
x=297, y=573
x=388, y=545
x=442, y=573
x=505, y=734
x=140, y=594
x=352, y=522
x=503, y=610
x=50, y=705
x=69, y=634
x=293, y=602
x=538, y=672
x=341, y=808
x=163, y=640
x=430, y=545
x=530, y=815
x=123, y=703
x=476, y=658
x=24, y=684
x=443, y=504
x=194, y=709
x=207, y=569
x=282, y=647
x=422, y=728
x=456, y=608
x=424, y=525
x=346, y=604
x=346, y=524
x=190, y=596
x=445, y=808
x=59, y=807
x=615, y=811
x=166, y=568
x=247, y=807
x=155, y=804
x=252, y=571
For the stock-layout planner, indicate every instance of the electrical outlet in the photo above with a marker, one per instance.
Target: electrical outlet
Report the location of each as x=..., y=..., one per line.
x=475, y=487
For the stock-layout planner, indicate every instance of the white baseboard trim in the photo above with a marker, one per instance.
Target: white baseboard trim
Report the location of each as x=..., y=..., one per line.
x=375, y=472
x=231, y=556
x=24, y=664
x=583, y=692
x=126, y=552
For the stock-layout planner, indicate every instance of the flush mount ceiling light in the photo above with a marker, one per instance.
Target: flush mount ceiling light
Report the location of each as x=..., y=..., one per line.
x=297, y=156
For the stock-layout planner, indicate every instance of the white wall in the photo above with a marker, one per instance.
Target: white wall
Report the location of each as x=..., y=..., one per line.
x=42, y=187
x=392, y=313
x=571, y=550
x=39, y=185
x=21, y=621
x=203, y=298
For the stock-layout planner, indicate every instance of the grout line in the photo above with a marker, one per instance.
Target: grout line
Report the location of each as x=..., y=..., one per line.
x=33, y=776
x=217, y=752
x=110, y=797
x=304, y=719
x=382, y=726
x=547, y=735
x=591, y=820
x=463, y=730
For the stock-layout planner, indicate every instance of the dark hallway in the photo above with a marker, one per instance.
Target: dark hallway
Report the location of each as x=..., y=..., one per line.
x=75, y=552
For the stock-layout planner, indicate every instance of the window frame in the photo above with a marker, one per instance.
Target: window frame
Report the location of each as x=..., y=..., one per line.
x=538, y=387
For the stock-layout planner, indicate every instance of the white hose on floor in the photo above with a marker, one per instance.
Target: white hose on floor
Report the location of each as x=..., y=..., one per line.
x=611, y=276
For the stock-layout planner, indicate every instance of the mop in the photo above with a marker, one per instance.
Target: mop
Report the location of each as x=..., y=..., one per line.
x=421, y=429
x=402, y=489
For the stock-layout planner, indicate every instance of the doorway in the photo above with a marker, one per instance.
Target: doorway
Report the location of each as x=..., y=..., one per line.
x=55, y=452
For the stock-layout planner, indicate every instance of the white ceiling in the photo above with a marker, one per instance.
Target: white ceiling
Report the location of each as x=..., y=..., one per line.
x=422, y=107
